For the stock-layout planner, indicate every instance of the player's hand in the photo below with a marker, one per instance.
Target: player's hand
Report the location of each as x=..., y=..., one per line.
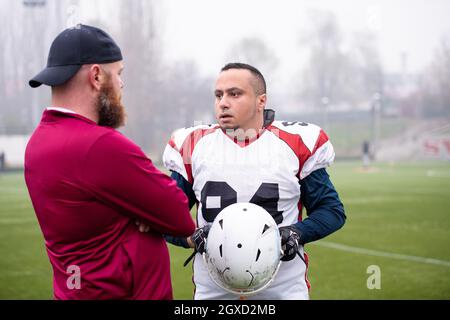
x=199, y=238
x=290, y=236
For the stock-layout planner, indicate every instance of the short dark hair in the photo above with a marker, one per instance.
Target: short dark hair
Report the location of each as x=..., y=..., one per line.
x=260, y=85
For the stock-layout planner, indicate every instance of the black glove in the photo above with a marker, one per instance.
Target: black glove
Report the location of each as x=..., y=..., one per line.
x=199, y=238
x=290, y=237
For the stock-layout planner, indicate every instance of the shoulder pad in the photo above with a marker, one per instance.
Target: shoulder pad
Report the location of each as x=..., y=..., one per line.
x=308, y=132
x=179, y=136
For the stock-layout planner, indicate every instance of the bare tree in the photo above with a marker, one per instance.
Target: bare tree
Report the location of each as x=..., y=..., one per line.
x=254, y=51
x=435, y=84
x=367, y=77
x=158, y=98
x=23, y=54
x=137, y=38
x=324, y=76
x=339, y=71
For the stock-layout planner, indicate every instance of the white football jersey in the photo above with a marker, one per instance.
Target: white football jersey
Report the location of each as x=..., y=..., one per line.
x=265, y=171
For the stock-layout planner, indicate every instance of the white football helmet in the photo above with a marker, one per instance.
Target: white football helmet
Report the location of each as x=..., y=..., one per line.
x=243, y=249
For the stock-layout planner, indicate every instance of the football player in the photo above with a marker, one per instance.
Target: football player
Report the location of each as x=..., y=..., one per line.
x=248, y=156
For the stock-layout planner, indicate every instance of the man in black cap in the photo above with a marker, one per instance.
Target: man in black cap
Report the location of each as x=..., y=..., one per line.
x=79, y=54
x=89, y=184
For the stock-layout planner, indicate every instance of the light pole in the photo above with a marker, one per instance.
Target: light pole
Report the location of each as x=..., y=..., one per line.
x=376, y=110
x=34, y=95
x=325, y=101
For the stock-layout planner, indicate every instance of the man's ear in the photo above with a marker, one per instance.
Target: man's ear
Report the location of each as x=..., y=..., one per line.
x=95, y=76
x=262, y=99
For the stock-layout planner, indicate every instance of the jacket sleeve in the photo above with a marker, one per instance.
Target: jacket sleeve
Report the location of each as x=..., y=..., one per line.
x=324, y=208
x=184, y=185
x=117, y=172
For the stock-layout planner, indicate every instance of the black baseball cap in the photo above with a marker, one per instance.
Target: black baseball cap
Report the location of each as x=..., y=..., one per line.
x=73, y=48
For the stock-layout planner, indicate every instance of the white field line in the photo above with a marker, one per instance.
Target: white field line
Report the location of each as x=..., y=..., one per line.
x=437, y=174
x=384, y=254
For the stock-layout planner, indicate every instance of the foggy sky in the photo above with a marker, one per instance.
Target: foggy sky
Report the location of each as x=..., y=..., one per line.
x=204, y=29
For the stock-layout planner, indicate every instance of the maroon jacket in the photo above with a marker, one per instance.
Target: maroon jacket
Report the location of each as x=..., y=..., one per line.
x=88, y=185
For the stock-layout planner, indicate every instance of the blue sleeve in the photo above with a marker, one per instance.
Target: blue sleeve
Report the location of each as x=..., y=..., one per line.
x=324, y=208
x=184, y=185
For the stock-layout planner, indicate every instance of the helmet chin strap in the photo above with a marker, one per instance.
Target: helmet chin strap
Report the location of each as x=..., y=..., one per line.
x=189, y=258
x=303, y=259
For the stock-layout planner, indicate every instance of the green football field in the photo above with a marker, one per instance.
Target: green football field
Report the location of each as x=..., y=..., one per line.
x=398, y=224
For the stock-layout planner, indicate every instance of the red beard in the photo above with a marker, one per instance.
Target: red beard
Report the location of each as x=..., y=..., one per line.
x=111, y=112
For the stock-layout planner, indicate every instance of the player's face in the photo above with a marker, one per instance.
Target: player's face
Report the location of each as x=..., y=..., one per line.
x=237, y=105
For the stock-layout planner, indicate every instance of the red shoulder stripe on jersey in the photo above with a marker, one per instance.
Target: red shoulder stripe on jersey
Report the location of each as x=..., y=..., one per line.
x=172, y=144
x=321, y=140
x=295, y=142
x=308, y=284
x=300, y=208
x=188, y=146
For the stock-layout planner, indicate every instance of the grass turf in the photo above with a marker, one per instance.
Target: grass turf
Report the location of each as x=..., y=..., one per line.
x=397, y=216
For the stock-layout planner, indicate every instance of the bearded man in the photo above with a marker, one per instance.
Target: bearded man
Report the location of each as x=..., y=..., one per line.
x=89, y=184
